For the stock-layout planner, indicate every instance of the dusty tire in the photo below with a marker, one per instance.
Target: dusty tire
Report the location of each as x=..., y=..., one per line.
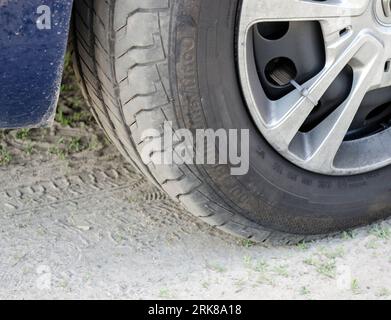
x=133, y=58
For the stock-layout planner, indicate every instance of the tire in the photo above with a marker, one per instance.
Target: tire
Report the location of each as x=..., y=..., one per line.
x=134, y=59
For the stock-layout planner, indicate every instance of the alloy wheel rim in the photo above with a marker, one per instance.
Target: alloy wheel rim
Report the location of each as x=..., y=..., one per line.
x=355, y=35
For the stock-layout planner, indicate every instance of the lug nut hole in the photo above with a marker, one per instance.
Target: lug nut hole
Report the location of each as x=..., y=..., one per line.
x=273, y=30
x=280, y=71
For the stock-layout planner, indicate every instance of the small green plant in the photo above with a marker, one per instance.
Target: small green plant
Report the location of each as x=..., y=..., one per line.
x=254, y=265
x=327, y=269
x=5, y=156
x=22, y=134
x=261, y=266
x=355, y=286
x=323, y=265
x=56, y=150
x=303, y=246
x=72, y=119
x=381, y=232
x=64, y=147
x=348, y=235
x=75, y=145
x=164, y=293
x=304, y=291
x=62, y=118
x=247, y=243
x=66, y=88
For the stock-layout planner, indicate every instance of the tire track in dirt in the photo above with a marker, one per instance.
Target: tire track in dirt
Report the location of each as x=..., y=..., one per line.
x=95, y=182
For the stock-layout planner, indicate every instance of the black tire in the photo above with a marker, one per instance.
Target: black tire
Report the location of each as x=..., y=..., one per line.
x=134, y=59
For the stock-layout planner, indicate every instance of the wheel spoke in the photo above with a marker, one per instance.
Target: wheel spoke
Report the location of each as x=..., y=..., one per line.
x=289, y=113
x=325, y=140
x=255, y=11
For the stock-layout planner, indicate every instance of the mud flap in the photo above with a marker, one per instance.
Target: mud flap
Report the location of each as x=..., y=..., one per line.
x=33, y=38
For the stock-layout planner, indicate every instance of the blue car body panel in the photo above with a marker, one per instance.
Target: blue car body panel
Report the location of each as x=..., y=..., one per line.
x=31, y=60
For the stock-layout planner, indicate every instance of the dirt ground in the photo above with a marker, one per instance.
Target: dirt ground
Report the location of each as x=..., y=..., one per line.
x=77, y=222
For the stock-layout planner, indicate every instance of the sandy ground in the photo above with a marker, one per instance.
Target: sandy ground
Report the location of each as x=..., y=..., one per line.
x=77, y=222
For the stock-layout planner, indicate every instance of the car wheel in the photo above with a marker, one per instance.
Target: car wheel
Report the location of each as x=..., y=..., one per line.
x=308, y=79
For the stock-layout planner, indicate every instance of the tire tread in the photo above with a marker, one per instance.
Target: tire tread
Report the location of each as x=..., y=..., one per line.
x=122, y=67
